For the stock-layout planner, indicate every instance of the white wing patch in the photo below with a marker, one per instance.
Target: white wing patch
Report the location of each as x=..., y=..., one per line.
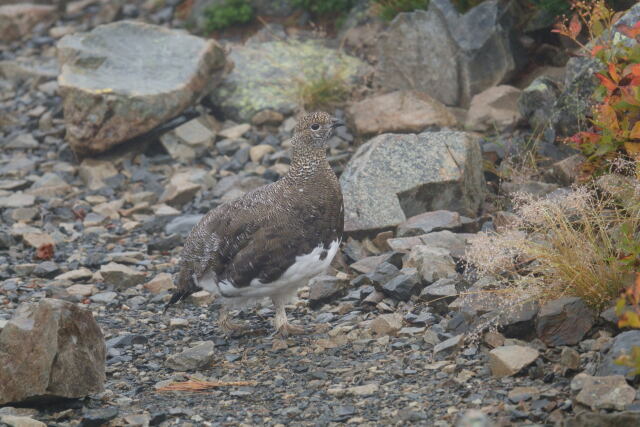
x=297, y=275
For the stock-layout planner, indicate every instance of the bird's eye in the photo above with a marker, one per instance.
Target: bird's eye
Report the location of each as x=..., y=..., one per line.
x=315, y=126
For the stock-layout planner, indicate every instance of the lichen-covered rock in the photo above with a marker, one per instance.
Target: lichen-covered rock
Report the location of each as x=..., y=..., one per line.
x=445, y=54
x=268, y=76
x=51, y=349
x=123, y=79
x=392, y=177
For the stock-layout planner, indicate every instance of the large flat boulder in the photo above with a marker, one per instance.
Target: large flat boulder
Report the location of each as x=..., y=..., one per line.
x=268, y=76
x=448, y=55
x=123, y=79
x=393, y=177
x=51, y=349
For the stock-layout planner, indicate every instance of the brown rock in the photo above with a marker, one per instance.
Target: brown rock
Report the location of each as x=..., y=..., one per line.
x=400, y=111
x=564, y=321
x=17, y=20
x=494, y=107
x=267, y=117
x=510, y=359
x=162, y=282
x=567, y=170
x=611, y=392
x=387, y=324
x=51, y=349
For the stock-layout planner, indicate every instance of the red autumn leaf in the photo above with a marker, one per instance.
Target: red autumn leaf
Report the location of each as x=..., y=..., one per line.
x=575, y=26
x=585, y=137
x=45, y=251
x=606, y=82
x=631, y=32
x=633, y=69
x=596, y=49
x=613, y=73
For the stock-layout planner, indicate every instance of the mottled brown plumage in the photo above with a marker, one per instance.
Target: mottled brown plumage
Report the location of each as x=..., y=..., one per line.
x=253, y=242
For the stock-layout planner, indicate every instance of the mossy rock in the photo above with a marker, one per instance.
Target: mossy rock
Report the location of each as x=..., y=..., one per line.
x=269, y=76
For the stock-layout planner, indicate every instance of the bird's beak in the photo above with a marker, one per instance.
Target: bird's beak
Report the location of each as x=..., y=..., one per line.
x=336, y=123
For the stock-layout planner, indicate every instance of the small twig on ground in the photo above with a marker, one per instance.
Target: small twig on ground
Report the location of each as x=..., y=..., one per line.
x=199, y=385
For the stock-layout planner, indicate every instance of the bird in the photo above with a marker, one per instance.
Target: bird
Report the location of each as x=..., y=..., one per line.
x=273, y=239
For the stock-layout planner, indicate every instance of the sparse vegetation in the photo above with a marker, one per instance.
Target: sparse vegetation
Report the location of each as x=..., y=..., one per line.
x=615, y=125
x=326, y=92
x=572, y=244
x=231, y=12
x=324, y=7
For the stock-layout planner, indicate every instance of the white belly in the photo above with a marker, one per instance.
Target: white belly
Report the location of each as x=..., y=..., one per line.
x=297, y=275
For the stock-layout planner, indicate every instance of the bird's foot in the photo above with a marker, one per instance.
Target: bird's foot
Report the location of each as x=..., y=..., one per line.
x=231, y=328
x=287, y=329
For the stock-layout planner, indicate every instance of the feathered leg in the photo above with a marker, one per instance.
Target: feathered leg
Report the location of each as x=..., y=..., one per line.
x=280, y=322
x=228, y=326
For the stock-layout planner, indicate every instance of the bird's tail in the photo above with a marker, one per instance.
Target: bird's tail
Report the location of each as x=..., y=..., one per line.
x=186, y=287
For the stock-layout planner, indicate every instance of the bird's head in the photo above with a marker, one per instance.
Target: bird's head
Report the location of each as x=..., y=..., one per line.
x=316, y=128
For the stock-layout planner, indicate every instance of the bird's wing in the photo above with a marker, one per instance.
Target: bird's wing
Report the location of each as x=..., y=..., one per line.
x=216, y=240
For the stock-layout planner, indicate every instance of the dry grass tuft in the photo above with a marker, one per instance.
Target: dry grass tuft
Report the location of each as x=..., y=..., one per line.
x=569, y=244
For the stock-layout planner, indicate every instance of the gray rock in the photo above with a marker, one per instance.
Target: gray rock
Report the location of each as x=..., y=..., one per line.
x=440, y=294
x=324, y=289
x=534, y=188
x=610, y=392
x=123, y=79
x=265, y=76
x=622, y=344
x=460, y=63
x=404, y=285
x=564, y=321
x=121, y=276
x=536, y=102
x=519, y=322
x=61, y=341
x=23, y=68
x=384, y=272
x=573, y=105
x=428, y=222
x=104, y=297
x=182, y=225
x=193, y=358
x=392, y=177
x=449, y=346
x=432, y=263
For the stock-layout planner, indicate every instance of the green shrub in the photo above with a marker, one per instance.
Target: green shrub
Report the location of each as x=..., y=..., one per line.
x=324, y=7
x=227, y=14
x=388, y=9
x=323, y=93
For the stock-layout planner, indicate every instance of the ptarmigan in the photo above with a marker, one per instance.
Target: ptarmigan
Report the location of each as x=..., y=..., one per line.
x=272, y=240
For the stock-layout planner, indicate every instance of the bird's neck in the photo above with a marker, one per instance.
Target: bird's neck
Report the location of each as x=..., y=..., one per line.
x=307, y=162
